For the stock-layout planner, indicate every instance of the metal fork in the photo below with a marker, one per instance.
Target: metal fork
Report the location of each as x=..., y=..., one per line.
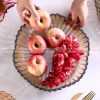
x=89, y=96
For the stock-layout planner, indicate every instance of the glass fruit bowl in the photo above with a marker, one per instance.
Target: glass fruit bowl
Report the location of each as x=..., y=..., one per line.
x=21, y=53
x=97, y=5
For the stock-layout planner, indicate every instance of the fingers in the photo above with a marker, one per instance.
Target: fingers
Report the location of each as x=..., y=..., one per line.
x=37, y=7
x=33, y=11
x=26, y=14
x=27, y=9
x=20, y=15
x=74, y=19
x=26, y=21
x=77, y=20
x=81, y=21
x=69, y=16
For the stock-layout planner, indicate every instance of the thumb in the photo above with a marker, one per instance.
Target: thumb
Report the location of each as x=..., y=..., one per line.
x=26, y=14
x=34, y=12
x=81, y=21
x=69, y=16
x=74, y=19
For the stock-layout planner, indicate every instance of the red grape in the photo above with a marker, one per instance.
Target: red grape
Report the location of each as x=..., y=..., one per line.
x=51, y=84
x=65, y=58
x=57, y=81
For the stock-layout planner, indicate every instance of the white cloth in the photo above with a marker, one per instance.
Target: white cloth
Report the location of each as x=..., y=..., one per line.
x=13, y=83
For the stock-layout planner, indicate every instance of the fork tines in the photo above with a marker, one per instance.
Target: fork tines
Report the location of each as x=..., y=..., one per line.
x=89, y=96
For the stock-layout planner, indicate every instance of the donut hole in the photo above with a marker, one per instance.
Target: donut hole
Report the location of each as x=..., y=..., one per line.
x=56, y=37
x=36, y=45
x=41, y=20
x=37, y=62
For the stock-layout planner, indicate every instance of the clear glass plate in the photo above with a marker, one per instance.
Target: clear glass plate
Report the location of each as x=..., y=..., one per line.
x=97, y=5
x=21, y=53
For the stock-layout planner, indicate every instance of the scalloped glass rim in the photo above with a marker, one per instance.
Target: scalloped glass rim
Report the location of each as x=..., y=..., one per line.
x=97, y=5
x=4, y=95
x=71, y=29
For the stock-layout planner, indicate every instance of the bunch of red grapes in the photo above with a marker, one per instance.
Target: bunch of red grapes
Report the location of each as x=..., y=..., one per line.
x=65, y=59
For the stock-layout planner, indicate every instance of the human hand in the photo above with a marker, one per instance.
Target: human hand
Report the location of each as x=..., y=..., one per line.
x=79, y=12
x=26, y=8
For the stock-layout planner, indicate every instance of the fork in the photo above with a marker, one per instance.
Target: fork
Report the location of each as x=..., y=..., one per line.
x=89, y=96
